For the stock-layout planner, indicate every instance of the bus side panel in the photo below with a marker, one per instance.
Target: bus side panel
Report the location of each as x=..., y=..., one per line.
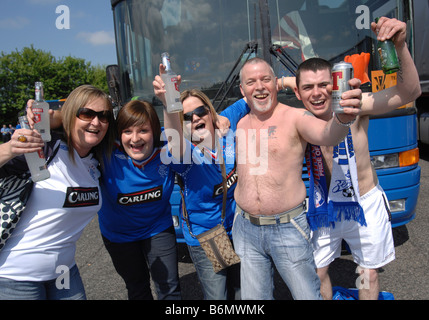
x=391, y=135
x=402, y=185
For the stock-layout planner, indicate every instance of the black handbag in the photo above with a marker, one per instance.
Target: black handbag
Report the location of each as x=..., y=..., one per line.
x=14, y=193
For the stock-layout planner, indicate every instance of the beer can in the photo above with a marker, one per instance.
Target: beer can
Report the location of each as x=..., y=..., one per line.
x=342, y=72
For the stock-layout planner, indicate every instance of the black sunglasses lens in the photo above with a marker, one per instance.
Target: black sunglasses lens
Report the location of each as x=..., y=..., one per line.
x=103, y=116
x=86, y=114
x=200, y=112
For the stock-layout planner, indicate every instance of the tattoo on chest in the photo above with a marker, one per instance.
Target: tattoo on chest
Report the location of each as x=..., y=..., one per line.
x=271, y=133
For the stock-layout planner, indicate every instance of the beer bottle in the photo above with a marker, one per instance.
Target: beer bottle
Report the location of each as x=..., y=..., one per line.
x=35, y=160
x=388, y=56
x=172, y=95
x=40, y=110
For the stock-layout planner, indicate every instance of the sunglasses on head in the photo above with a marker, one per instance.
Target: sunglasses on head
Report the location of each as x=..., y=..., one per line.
x=86, y=114
x=200, y=112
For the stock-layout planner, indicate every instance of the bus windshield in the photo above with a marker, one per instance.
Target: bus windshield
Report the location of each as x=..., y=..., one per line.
x=206, y=38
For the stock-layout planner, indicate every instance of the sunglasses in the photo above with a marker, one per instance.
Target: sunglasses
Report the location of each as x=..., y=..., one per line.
x=200, y=112
x=86, y=114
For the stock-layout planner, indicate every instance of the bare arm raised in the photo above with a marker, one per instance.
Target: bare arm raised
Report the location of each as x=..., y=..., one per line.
x=172, y=121
x=408, y=85
x=319, y=132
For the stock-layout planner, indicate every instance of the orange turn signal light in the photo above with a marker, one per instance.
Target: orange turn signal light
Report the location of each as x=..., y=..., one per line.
x=409, y=157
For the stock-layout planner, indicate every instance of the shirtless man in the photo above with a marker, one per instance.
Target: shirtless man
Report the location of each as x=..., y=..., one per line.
x=371, y=245
x=270, y=225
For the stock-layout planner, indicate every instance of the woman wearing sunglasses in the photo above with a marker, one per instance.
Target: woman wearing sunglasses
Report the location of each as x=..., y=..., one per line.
x=135, y=217
x=199, y=169
x=37, y=262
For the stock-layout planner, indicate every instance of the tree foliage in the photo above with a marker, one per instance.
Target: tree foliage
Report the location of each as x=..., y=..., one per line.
x=19, y=70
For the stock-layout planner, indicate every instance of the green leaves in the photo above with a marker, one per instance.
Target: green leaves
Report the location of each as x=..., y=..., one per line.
x=19, y=70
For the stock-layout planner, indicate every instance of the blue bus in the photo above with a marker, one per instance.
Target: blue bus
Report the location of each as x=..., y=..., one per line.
x=209, y=40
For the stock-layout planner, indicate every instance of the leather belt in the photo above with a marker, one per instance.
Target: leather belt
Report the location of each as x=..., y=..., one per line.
x=284, y=217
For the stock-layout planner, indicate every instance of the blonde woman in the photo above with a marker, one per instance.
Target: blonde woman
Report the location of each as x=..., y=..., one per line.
x=199, y=168
x=38, y=262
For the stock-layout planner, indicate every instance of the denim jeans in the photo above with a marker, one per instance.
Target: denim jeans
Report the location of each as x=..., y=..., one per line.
x=44, y=290
x=223, y=285
x=133, y=260
x=282, y=244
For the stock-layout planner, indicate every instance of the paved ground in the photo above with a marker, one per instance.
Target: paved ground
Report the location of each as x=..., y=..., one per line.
x=406, y=277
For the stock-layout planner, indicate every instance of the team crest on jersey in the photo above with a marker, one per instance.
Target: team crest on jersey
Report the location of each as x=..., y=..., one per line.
x=120, y=156
x=152, y=194
x=163, y=170
x=81, y=197
x=229, y=154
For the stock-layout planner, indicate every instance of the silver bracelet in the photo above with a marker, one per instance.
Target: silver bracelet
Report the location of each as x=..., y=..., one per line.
x=344, y=124
x=283, y=85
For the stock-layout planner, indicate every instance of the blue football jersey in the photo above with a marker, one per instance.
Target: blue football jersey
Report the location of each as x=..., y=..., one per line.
x=136, y=197
x=202, y=177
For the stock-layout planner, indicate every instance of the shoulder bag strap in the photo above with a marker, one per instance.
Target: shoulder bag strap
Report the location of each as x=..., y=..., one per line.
x=184, y=211
x=223, y=169
x=225, y=190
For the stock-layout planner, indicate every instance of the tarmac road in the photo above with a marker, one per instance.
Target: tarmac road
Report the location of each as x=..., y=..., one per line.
x=406, y=277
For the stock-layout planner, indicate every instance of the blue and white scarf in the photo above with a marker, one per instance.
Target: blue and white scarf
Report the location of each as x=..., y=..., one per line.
x=343, y=199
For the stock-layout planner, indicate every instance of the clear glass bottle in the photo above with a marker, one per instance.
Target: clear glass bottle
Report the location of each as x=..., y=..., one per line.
x=172, y=95
x=36, y=160
x=40, y=110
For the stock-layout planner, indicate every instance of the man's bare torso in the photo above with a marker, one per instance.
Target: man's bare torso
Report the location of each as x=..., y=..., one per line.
x=274, y=183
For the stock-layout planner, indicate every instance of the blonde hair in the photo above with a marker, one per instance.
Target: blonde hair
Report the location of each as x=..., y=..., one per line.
x=79, y=98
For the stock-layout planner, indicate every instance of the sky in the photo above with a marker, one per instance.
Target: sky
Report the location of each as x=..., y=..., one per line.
x=77, y=28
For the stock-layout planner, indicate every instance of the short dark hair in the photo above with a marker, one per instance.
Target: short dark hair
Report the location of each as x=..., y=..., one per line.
x=312, y=64
x=137, y=113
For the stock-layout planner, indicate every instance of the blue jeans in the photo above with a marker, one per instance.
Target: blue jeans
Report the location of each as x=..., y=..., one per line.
x=282, y=244
x=133, y=260
x=44, y=290
x=224, y=285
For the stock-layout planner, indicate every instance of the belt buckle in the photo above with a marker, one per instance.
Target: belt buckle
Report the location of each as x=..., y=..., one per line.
x=254, y=220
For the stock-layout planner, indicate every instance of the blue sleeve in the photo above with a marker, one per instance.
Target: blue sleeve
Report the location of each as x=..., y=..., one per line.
x=177, y=165
x=235, y=112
